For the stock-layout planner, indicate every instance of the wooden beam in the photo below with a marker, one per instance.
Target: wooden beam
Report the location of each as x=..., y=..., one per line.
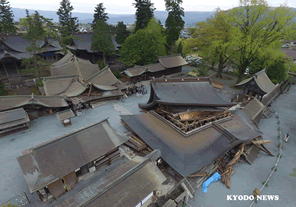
x=89, y=90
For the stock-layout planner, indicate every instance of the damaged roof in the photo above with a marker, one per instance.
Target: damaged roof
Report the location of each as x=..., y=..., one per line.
x=69, y=86
x=105, y=80
x=46, y=163
x=172, y=61
x=64, y=60
x=11, y=102
x=202, y=145
x=184, y=92
x=75, y=66
x=13, y=118
x=261, y=80
x=253, y=108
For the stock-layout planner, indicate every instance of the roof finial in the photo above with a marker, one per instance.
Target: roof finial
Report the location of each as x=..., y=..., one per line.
x=32, y=96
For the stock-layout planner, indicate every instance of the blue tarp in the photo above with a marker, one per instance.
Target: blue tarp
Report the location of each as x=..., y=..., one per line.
x=213, y=178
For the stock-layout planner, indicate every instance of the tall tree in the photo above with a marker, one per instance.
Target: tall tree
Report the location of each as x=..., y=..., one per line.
x=99, y=14
x=144, y=12
x=39, y=30
x=174, y=22
x=258, y=30
x=121, y=33
x=145, y=46
x=101, y=39
x=68, y=24
x=6, y=18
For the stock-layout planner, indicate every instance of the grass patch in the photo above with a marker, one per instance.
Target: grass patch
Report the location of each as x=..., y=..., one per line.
x=293, y=173
x=35, y=90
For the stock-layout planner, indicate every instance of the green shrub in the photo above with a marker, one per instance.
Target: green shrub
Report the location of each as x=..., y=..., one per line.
x=193, y=70
x=101, y=64
x=117, y=74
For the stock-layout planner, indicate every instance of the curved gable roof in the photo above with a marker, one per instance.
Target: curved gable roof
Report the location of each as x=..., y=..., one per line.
x=262, y=81
x=189, y=92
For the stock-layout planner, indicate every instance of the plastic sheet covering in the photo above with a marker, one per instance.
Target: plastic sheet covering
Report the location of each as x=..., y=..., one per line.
x=213, y=178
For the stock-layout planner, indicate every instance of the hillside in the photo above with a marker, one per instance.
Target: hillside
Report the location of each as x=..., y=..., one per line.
x=190, y=17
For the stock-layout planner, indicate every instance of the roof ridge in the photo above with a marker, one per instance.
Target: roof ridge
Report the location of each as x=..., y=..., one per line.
x=169, y=56
x=100, y=71
x=59, y=77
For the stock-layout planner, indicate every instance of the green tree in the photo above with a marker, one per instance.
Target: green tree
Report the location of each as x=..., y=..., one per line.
x=258, y=30
x=180, y=47
x=99, y=14
x=144, y=12
x=213, y=38
x=68, y=24
x=192, y=30
x=101, y=39
x=121, y=33
x=174, y=22
x=277, y=72
x=6, y=18
x=145, y=46
x=39, y=29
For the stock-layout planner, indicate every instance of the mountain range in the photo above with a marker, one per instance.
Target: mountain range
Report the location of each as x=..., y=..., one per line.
x=191, y=17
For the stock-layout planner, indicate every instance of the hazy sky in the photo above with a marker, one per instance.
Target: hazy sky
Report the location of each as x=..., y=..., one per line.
x=125, y=6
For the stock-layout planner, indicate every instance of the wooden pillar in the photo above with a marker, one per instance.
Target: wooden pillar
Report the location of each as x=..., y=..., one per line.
x=5, y=70
x=46, y=57
x=16, y=68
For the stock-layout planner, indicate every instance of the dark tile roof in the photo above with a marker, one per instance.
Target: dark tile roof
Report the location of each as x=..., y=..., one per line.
x=11, y=102
x=262, y=81
x=13, y=118
x=138, y=183
x=189, y=154
x=172, y=61
x=53, y=160
x=188, y=91
x=85, y=44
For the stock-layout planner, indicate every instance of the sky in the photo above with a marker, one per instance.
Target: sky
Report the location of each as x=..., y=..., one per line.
x=125, y=6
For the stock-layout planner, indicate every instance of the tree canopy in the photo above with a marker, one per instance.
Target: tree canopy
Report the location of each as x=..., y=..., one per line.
x=6, y=18
x=68, y=24
x=144, y=12
x=248, y=36
x=39, y=30
x=174, y=22
x=99, y=14
x=145, y=46
x=101, y=39
x=121, y=33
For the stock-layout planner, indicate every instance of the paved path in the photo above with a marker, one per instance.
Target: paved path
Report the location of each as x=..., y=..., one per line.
x=121, y=109
x=248, y=177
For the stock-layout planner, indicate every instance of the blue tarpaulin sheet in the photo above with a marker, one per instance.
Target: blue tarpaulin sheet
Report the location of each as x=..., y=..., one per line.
x=213, y=178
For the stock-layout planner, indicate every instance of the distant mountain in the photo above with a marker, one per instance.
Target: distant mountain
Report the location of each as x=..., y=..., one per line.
x=190, y=17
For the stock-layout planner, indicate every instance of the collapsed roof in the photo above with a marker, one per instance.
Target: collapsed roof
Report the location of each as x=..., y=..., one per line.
x=104, y=81
x=260, y=80
x=184, y=92
x=74, y=66
x=46, y=163
x=11, y=102
x=86, y=42
x=189, y=152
